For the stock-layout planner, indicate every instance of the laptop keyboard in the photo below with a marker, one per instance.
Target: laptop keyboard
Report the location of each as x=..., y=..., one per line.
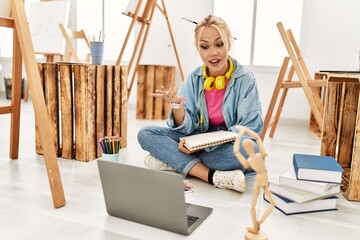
x=191, y=220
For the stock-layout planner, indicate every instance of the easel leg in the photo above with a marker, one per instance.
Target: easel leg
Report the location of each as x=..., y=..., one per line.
x=274, y=97
x=173, y=40
x=45, y=132
x=15, y=98
x=282, y=101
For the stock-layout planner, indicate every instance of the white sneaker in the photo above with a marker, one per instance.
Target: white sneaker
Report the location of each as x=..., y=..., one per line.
x=154, y=163
x=234, y=180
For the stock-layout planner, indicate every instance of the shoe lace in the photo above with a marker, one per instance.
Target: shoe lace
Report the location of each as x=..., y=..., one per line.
x=225, y=179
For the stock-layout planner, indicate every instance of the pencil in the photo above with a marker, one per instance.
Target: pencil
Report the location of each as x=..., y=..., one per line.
x=102, y=146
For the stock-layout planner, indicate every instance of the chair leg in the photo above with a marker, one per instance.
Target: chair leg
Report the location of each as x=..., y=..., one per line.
x=15, y=98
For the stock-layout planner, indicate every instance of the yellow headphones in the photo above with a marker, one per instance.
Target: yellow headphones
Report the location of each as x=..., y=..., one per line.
x=218, y=82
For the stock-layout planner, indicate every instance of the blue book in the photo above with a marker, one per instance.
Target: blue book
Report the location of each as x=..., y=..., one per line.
x=317, y=168
x=289, y=207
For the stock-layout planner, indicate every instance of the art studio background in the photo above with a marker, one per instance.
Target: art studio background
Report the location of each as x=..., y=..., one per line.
x=327, y=32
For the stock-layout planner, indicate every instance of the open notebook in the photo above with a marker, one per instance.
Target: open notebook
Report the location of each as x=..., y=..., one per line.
x=208, y=139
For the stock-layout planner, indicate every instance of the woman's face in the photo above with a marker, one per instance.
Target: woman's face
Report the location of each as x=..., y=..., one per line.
x=213, y=52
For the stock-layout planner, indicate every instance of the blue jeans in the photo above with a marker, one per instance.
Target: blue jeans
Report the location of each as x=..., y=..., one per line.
x=163, y=143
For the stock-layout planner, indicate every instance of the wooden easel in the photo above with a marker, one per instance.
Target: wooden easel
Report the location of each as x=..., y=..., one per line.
x=70, y=34
x=145, y=21
x=23, y=47
x=305, y=82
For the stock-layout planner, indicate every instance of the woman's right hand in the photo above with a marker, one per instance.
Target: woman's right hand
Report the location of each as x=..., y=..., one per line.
x=172, y=97
x=185, y=149
x=169, y=95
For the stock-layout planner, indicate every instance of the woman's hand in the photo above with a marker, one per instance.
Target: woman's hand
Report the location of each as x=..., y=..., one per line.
x=169, y=95
x=176, y=101
x=185, y=149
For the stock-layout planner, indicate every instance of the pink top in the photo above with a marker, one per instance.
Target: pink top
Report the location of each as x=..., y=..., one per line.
x=214, y=100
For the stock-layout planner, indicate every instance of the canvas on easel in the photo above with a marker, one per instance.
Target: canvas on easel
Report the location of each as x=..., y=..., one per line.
x=143, y=14
x=44, y=20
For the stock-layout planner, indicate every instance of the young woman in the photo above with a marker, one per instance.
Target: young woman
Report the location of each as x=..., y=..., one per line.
x=218, y=95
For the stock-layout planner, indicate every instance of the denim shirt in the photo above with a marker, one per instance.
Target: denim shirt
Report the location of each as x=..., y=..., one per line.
x=241, y=104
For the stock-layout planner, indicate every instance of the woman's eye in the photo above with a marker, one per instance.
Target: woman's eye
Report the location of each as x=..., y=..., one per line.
x=220, y=44
x=204, y=47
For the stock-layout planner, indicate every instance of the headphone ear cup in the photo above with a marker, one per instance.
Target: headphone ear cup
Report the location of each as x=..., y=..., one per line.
x=220, y=82
x=209, y=83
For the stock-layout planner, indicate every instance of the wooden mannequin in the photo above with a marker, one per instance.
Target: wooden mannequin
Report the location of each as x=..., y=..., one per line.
x=257, y=162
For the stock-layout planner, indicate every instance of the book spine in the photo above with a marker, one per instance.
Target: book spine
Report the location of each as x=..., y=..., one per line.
x=296, y=167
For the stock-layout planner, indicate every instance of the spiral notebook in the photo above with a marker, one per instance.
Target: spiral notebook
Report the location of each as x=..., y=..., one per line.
x=208, y=139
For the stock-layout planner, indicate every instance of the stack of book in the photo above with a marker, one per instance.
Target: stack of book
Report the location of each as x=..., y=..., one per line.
x=310, y=187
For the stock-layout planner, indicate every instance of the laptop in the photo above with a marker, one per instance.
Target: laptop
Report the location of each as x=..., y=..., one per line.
x=150, y=197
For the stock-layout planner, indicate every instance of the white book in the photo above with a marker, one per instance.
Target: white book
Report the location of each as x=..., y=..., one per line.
x=289, y=207
x=289, y=179
x=208, y=139
x=298, y=195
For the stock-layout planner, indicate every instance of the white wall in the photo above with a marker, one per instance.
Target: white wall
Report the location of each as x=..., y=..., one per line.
x=330, y=39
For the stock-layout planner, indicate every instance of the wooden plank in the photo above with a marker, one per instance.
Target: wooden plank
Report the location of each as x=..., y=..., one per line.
x=80, y=112
x=52, y=101
x=353, y=192
x=6, y=109
x=169, y=79
x=347, y=130
x=38, y=147
x=297, y=84
x=90, y=94
x=140, y=101
x=116, y=101
x=331, y=117
x=124, y=105
x=159, y=81
x=6, y=22
x=67, y=120
x=108, y=100
x=100, y=101
x=149, y=100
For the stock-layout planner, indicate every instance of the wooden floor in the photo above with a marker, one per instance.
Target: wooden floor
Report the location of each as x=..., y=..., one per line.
x=27, y=212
